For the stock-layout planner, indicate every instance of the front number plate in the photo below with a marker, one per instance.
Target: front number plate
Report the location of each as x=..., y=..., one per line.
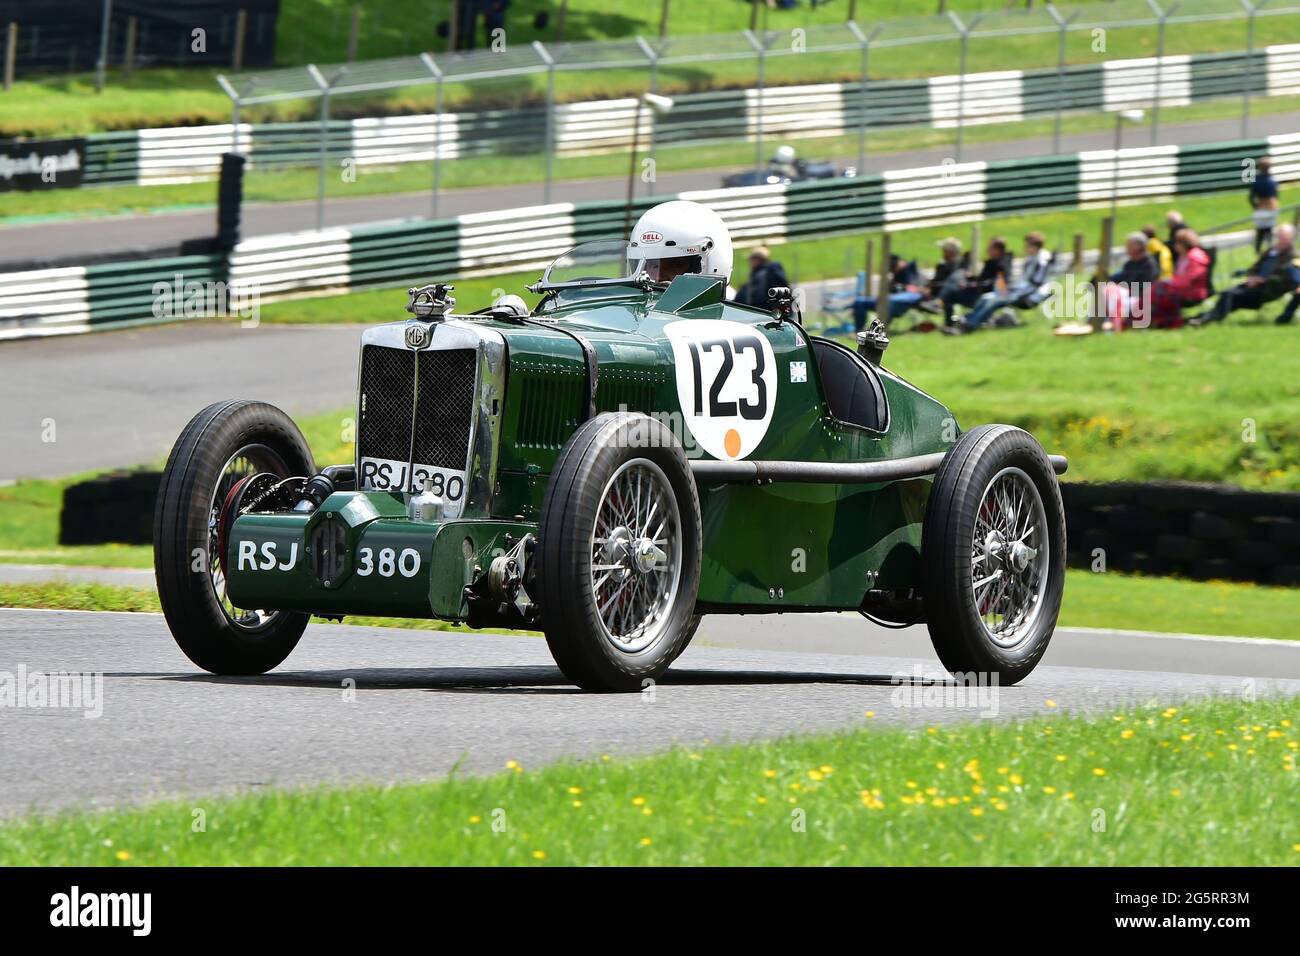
x=383, y=474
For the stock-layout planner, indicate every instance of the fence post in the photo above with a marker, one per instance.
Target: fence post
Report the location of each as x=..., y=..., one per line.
x=865, y=40
x=241, y=31
x=1103, y=269
x=101, y=65
x=886, y=278
x=550, y=116
x=11, y=54
x=1076, y=260
x=1063, y=23
x=965, y=31
x=761, y=50
x=354, y=34
x=432, y=67
x=324, y=86
x=128, y=55
x=231, y=92
x=1251, y=9
x=653, y=56
x=1163, y=16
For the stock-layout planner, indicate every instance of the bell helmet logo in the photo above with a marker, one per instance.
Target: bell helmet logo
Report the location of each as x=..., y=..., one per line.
x=651, y=237
x=417, y=336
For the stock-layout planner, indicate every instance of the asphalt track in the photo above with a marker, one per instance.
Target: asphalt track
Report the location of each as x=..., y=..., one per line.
x=427, y=704
x=120, y=398
x=63, y=240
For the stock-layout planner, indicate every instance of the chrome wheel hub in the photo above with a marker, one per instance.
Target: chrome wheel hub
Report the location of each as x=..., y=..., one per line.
x=1009, y=560
x=636, y=556
x=248, y=461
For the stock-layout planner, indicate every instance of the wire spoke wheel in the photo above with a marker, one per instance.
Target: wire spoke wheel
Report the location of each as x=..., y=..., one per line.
x=1010, y=557
x=636, y=556
x=244, y=463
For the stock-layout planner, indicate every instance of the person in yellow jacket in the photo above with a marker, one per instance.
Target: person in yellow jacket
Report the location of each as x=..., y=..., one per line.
x=1160, y=252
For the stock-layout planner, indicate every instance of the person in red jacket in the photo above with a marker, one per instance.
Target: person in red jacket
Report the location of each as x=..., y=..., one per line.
x=1190, y=283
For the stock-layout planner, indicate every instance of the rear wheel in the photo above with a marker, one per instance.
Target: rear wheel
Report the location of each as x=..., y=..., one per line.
x=620, y=553
x=219, y=450
x=993, y=549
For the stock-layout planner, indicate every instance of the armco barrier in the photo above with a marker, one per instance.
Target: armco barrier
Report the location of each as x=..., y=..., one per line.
x=182, y=154
x=81, y=298
x=1199, y=531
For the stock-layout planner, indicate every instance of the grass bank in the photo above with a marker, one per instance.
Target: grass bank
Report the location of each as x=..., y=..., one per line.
x=1208, y=784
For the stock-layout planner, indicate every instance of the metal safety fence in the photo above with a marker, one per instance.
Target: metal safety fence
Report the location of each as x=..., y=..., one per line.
x=183, y=154
x=81, y=299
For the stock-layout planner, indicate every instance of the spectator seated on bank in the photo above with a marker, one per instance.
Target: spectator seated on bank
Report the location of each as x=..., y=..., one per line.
x=1190, y=286
x=1027, y=292
x=905, y=292
x=1160, y=251
x=1129, y=291
x=1275, y=274
x=994, y=274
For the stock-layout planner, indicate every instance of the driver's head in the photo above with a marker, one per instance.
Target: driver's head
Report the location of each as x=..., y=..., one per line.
x=680, y=238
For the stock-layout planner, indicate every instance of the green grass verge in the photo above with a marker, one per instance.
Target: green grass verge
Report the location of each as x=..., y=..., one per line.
x=285, y=185
x=1112, y=600
x=30, y=509
x=83, y=596
x=1210, y=783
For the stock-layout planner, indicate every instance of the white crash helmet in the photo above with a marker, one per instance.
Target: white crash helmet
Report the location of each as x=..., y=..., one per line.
x=680, y=238
x=784, y=155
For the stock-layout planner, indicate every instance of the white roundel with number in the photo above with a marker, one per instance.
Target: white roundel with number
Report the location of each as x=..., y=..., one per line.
x=726, y=383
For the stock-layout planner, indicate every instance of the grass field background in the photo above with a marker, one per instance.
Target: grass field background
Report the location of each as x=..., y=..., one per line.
x=317, y=31
x=1206, y=784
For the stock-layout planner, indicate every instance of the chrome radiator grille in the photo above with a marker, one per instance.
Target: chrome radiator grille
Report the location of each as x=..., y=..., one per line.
x=426, y=419
x=444, y=407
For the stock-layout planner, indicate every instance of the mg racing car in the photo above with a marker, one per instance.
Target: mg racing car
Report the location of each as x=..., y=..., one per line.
x=631, y=454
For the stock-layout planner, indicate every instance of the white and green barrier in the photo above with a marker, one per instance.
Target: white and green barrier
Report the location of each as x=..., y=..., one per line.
x=183, y=154
x=83, y=298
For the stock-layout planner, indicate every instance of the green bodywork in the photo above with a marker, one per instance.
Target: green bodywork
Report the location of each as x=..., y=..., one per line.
x=766, y=547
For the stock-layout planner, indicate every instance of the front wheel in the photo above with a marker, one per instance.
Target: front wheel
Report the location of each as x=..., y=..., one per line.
x=619, y=565
x=220, y=448
x=993, y=550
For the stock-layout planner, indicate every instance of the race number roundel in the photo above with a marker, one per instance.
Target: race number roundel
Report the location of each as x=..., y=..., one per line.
x=726, y=383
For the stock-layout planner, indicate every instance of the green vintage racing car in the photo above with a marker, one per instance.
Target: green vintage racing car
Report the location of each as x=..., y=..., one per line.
x=633, y=453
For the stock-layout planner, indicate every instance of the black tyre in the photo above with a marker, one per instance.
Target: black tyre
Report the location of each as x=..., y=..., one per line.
x=223, y=444
x=619, y=564
x=993, y=551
